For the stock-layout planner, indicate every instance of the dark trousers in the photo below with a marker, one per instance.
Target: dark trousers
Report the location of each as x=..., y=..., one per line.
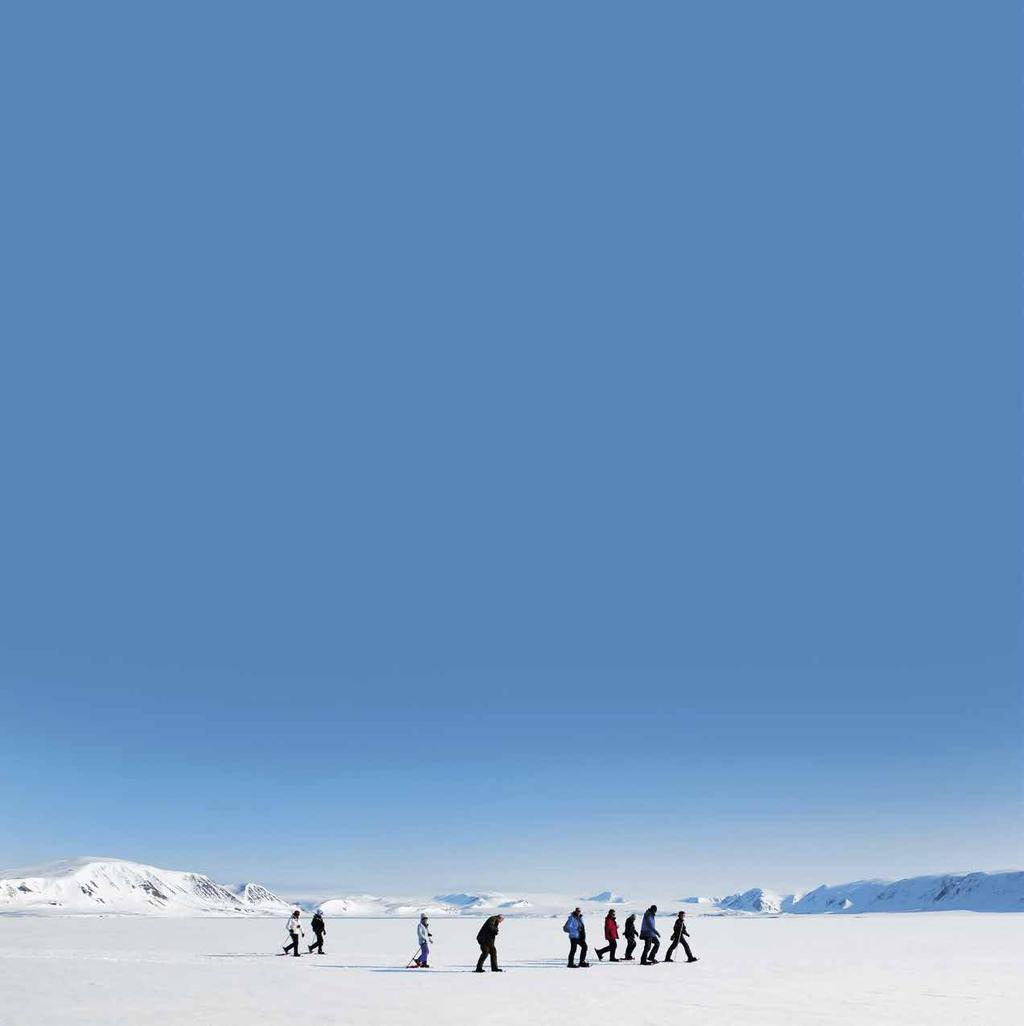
x=575, y=943
x=294, y=946
x=630, y=947
x=676, y=941
x=651, y=945
x=609, y=949
x=487, y=948
x=318, y=944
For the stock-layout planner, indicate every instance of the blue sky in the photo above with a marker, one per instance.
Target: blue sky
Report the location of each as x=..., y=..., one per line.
x=543, y=446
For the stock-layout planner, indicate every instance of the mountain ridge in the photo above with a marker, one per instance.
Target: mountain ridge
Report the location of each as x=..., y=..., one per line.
x=110, y=886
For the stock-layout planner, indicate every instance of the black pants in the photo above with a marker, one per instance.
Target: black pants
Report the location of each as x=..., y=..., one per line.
x=575, y=943
x=630, y=947
x=651, y=945
x=318, y=944
x=294, y=946
x=487, y=948
x=675, y=943
x=609, y=949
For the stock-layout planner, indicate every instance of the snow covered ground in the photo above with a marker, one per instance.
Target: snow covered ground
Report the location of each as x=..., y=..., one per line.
x=938, y=968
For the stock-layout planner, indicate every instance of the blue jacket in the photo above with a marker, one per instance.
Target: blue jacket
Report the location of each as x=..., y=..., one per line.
x=647, y=928
x=573, y=926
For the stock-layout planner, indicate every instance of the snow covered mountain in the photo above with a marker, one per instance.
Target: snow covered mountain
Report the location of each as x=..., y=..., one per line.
x=477, y=902
x=757, y=899
x=372, y=906
x=259, y=899
x=973, y=892
x=369, y=906
x=115, y=886
x=609, y=897
x=969, y=892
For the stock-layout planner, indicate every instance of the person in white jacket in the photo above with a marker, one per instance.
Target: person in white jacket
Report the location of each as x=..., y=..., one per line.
x=424, y=936
x=294, y=928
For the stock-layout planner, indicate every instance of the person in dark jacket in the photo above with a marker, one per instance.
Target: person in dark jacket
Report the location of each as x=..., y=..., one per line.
x=486, y=938
x=577, y=939
x=319, y=929
x=629, y=932
x=611, y=934
x=679, y=935
x=650, y=936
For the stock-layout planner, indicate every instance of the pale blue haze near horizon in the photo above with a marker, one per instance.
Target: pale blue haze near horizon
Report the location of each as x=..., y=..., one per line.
x=554, y=446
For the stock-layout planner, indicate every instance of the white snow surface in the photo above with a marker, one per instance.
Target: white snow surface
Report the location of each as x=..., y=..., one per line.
x=946, y=969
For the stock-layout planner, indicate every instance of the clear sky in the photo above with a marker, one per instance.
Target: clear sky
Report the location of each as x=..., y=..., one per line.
x=552, y=446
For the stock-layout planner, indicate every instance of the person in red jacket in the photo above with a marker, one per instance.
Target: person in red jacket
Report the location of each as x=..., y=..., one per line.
x=611, y=934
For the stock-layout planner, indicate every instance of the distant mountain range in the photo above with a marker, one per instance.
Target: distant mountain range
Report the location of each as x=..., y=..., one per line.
x=970, y=892
x=107, y=886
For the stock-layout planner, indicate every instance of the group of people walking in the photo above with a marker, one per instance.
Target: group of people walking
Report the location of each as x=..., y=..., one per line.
x=574, y=926
x=577, y=931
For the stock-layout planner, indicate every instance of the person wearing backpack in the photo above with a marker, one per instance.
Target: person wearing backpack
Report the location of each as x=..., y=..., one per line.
x=577, y=939
x=650, y=936
x=424, y=936
x=319, y=929
x=629, y=932
x=611, y=935
x=679, y=935
x=294, y=929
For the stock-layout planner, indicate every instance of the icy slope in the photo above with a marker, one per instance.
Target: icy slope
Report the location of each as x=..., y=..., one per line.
x=116, y=886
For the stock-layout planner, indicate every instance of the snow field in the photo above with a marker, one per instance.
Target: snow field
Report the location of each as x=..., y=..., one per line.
x=937, y=969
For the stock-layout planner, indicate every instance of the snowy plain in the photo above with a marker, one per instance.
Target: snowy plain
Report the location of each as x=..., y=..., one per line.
x=938, y=968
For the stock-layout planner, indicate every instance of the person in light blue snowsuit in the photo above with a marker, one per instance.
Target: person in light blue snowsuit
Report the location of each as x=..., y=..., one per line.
x=424, y=936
